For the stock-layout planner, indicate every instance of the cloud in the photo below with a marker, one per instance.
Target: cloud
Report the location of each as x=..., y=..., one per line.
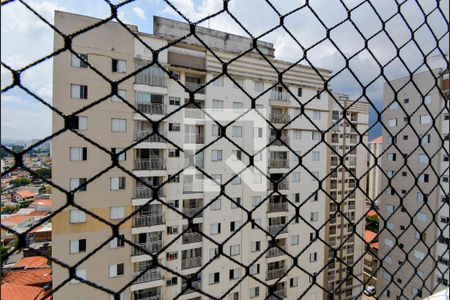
x=140, y=13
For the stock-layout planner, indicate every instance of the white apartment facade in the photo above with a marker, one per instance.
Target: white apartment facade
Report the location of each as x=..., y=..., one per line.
x=112, y=194
x=374, y=175
x=424, y=146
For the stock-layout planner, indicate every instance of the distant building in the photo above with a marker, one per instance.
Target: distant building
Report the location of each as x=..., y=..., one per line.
x=374, y=179
x=371, y=257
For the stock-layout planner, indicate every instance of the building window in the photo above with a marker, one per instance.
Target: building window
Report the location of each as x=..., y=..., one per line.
x=315, y=135
x=392, y=123
x=81, y=123
x=78, y=91
x=171, y=256
x=234, y=273
x=216, y=130
x=235, y=250
x=422, y=217
x=237, y=154
x=315, y=156
x=216, y=204
x=172, y=230
x=117, y=213
x=296, y=177
x=76, y=182
x=216, y=155
x=423, y=158
x=213, y=253
x=117, y=183
x=174, y=127
x=293, y=282
x=175, y=101
x=117, y=242
x=256, y=200
x=119, y=66
x=238, y=107
x=313, y=257
x=297, y=197
x=236, y=179
x=394, y=105
x=316, y=115
x=218, y=81
x=122, y=94
x=254, y=269
x=419, y=254
x=426, y=139
x=237, y=131
x=236, y=200
x=297, y=134
x=234, y=296
x=122, y=156
x=77, y=216
x=217, y=105
x=116, y=270
x=314, y=217
x=172, y=281
x=256, y=246
x=425, y=119
x=300, y=92
x=428, y=99
x=424, y=178
x=318, y=95
x=77, y=246
x=215, y=228
x=78, y=153
x=295, y=239
x=234, y=225
x=254, y=292
x=174, y=153
x=238, y=83
x=214, y=278
x=259, y=86
x=392, y=156
x=80, y=273
x=79, y=63
x=118, y=125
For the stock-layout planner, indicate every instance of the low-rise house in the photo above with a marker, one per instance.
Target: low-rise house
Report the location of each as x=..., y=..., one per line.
x=42, y=205
x=371, y=258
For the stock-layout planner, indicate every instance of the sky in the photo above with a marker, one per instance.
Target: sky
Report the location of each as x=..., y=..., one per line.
x=25, y=39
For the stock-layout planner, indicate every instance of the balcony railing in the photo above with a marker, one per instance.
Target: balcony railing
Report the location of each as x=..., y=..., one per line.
x=277, y=163
x=138, y=135
x=192, y=86
x=149, y=220
x=191, y=211
x=143, y=192
x=153, y=80
x=152, y=108
x=150, y=275
x=194, y=139
x=280, y=96
x=279, y=118
x=191, y=237
x=275, y=273
x=192, y=188
x=285, y=139
x=277, y=229
x=274, y=251
x=191, y=262
x=282, y=185
x=277, y=207
x=279, y=294
x=150, y=164
x=151, y=247
x=155, y=297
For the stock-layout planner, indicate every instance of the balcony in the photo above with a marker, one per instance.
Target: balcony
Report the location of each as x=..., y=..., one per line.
x=194, y=139
x=277, y=163
x=275, y=273
x=277, y=295
x=152, y=108
x=140, y=134
x=277, y=229
x=148, y=220
x=193, y=86
x=282, y=185
x=191, y=237
x=192, y=188
x=277, y=207
x=191, y=262
x=153, y=297
x=277, y=142
x=150, y=164
x=144, y=192
x=150, y=275
x=193, y=113
x=195, y=284
x=192, y=211
x=151, y=247
x=146, y=77
x=280, y=96
x=274, y=251
x=279, y=118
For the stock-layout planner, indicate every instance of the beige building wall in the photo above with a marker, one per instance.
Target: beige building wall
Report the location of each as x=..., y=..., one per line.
x=374, y=175
x=408, y=240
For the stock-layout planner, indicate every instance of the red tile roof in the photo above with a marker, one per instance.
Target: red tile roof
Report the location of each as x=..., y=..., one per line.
x=25, y=194
x=375, y=245
x=377, y=140
x=16, y=219
x=35, y=277
x=39, y=213
x=43, y=202
x=12, y=291
x=369, y=236
x=32, y=262
x=372, y=213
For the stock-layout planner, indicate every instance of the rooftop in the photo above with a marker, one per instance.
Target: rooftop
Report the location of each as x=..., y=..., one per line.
x=377, y=140
x=13, y=291
x=15, y=219
x=32, y=262
x=35, y=277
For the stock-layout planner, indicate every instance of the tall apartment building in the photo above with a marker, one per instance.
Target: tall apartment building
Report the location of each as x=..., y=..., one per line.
x=346, y=183
x=159, y=226
x=414, y=239
x=374, y=175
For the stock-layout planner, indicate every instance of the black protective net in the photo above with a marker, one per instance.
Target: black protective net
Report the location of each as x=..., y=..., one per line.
x=345, y=281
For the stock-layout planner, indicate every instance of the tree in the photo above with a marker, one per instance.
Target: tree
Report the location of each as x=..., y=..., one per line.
x=20, y=181
x=373, y=223
x=44, y=172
